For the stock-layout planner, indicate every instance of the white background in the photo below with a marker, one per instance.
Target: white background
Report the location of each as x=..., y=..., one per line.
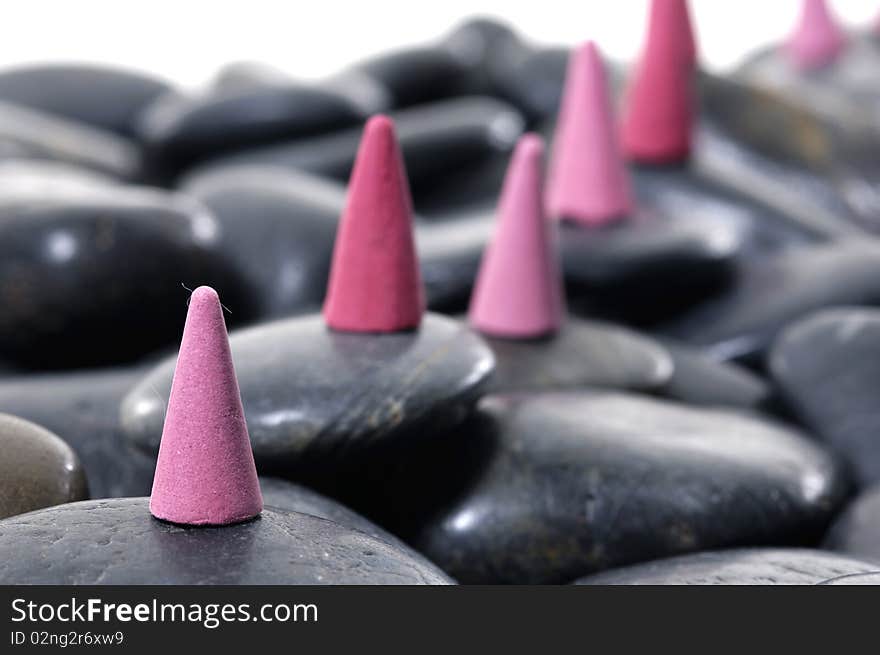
x=187, y=40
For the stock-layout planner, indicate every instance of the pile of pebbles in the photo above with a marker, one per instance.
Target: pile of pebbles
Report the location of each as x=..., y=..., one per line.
x=442, y=321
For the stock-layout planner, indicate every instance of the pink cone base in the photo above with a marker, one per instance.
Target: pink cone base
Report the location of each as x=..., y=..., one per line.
x=205, y=472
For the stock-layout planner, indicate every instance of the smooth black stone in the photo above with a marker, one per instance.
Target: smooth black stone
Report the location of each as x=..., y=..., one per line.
x=781, y=152
x=751, y=566
x=37, y=468
x=31, y=134
x=246, y=75
x=741, y=323
x=827, y=368
x=544, y=488
x=291, y=497
x=501, y=63
x=534, y=83
x=179, y=130
x=118, y=542
x=415, y=75
x=649, y=266
x=107, y=98
x=699, y=380
x=483, y=46
x=278, y=232
x=811, y=126
x=435, y=138
x=83, y=409
x=314, y=398
x=856, y=531
x=94, y=278
x=43, y=177
x=637, y=270
x=581, y=354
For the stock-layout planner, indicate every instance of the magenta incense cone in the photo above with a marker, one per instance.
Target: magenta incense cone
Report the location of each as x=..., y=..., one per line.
x=658, y=110
x=375, y=283
x=205, y=473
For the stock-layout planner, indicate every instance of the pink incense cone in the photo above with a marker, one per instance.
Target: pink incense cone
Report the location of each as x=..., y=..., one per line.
x=658, y=111
x=817, y=39
x=518, y=290
x=205, y=474
x=375, y=283
x=588, y=181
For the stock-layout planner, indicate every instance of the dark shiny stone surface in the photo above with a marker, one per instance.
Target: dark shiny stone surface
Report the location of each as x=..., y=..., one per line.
x=104, y=97
x=278, y=231
x=500, y=62
x=699, y=380
x=179, y=129
x=827, y=367
x=581, y=354
x=83, y=409
x=32, y=134
x=435, y=138
x=549, y=487
x=768, y=295
x=756, y=566
x=118, y=542
x=415, y=75
x=44, y=177
x=243, y=75
x=281, y=494
x=37, y=468
x=314, y=398
x=856, y=531
x=94, y=278
x=782, y=152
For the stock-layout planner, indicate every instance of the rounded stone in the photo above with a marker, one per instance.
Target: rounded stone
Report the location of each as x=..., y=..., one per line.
x=92, y=277
x=700, y=380
x=435, y=139
x=82, y=407
x=581, y=354
x=178, y=129
x=742, y=323
x=314, y=397
x=117, y=542
x=278, y=232
x=827, y=368
x=30, y=134
x=758, y=566
x=415, y=75
x=44, y=177
x=37, y=468
x=104, y=97
x=544, y=488
x=856, y=531
x=291, y=497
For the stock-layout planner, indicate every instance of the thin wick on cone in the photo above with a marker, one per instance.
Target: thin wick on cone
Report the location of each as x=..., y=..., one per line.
x=817, y=40
x=375, y=283
x=659, y=107
x=205, y=473
x=518, y=290
x=588, y=180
